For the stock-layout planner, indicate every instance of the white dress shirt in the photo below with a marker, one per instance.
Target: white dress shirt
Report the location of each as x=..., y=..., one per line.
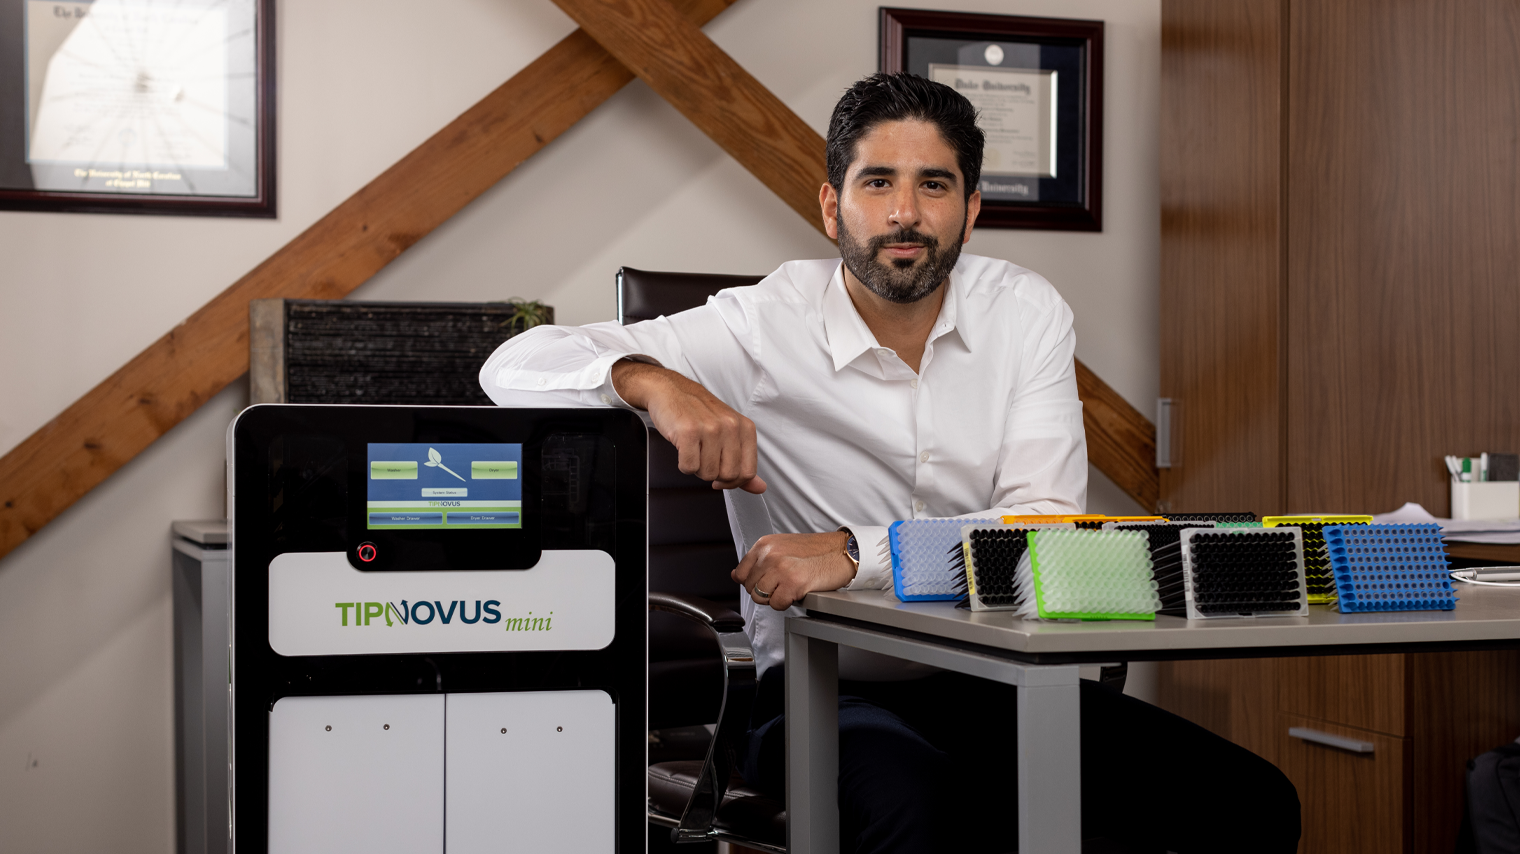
x=849, y=436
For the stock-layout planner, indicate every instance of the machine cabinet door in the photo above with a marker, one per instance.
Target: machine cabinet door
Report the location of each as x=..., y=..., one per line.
x=532, y=771
x=356, y=774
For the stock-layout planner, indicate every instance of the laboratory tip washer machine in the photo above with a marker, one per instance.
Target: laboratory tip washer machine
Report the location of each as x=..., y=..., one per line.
x=438, y=629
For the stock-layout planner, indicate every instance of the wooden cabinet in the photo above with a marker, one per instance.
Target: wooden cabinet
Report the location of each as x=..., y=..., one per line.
x=1347, y=787
x=1339, y=298
x=1340, y=200
x=1433, y=711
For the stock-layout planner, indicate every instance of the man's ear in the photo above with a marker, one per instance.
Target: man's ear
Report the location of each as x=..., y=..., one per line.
x=828, y=199
x=973, y=207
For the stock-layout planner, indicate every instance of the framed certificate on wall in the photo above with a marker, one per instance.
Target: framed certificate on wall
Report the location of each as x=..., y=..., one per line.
x=132, y=106
x=1037, y=85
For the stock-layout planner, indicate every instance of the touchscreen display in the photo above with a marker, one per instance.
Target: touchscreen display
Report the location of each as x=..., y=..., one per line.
x=441, y=485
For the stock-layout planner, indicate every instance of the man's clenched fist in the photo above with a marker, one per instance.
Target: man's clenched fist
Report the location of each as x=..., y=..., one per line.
x=714, y=442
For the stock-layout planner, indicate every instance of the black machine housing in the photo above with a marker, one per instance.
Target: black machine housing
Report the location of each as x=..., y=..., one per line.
x=297, y=483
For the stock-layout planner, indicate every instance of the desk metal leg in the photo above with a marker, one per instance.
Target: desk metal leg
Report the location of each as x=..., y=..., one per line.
x=812, y=745
x=1050, y=761
x=1049, y=733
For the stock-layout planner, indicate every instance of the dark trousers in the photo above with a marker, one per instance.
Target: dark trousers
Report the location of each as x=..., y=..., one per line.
x=928, y=766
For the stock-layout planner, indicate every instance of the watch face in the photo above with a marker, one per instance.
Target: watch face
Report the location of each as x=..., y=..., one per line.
x=852, y=548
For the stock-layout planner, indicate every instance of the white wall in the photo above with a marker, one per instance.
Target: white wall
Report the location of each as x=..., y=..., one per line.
x=86, y=725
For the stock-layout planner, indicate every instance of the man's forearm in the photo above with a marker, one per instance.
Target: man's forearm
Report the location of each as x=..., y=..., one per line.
x=712, y=441
x=635, y=382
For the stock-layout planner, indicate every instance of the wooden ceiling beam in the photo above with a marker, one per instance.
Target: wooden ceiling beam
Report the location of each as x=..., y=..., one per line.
x=709, y=88
x=706, y=85
x=113, y=422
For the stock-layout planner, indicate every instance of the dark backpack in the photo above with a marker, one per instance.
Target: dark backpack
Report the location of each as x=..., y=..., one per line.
x=1491, y=823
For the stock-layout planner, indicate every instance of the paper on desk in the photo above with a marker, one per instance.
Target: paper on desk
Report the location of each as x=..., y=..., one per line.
x=1493, y=531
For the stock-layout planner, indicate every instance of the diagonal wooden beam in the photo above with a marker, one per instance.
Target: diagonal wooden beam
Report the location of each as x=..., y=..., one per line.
x=113, y=422
x=706, y=85
x=1121, y=441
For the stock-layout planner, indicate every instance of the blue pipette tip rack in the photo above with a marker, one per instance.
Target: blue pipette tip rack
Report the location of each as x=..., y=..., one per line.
x=1390, y=568
x=922, y=568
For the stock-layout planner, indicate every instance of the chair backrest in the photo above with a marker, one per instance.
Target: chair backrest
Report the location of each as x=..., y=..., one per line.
x=645, y=295
x=690, y=548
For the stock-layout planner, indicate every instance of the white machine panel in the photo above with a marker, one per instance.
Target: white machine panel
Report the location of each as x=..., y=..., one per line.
x=320, y=605
x=357, y=774
x=547, y=784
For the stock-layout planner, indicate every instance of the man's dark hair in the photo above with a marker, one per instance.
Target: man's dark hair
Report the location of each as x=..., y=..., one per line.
x=897, y=97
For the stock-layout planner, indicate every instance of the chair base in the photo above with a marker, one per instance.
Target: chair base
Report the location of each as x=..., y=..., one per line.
x=746, y=817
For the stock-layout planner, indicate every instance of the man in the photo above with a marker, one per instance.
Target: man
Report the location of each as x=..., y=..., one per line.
x=906, y=382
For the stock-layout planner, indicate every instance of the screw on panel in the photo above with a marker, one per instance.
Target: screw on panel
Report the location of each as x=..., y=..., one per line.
x=329, y=727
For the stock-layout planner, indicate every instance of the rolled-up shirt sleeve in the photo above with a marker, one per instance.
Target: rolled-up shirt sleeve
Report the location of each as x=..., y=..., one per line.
x=564, y=365
x=875, y=570
x=572, y=365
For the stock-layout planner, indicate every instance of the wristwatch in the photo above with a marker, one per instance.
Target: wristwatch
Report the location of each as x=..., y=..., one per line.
x=852, y=551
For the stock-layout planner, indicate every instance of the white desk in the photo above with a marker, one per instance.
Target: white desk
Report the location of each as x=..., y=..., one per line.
x=1042, y=660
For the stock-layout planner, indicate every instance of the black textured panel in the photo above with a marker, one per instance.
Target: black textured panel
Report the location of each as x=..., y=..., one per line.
x=424, y=354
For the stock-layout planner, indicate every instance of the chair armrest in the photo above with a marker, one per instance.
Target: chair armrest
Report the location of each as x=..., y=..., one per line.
x=696, y=823
x=704, y=611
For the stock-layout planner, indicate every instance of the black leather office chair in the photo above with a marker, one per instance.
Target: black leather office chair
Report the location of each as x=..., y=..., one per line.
x=701, y=668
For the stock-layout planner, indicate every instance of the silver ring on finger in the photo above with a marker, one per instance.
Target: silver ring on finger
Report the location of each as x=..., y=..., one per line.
x=761, y=594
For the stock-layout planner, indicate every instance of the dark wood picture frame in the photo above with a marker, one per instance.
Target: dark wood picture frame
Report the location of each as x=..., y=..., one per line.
x=1086, y=213
x=13, y=131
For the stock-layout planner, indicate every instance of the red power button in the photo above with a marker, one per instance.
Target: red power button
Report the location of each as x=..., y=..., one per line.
x=367, y=552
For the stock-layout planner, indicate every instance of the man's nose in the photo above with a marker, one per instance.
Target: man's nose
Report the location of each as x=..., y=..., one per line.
x=904, y=209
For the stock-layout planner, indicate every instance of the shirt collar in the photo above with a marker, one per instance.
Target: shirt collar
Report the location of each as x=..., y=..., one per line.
x=849, y=336
x=847, y=332
x=956, y=311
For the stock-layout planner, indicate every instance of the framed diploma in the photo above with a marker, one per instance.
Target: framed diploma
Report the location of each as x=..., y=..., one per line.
x=1037, y=85
x=134, y=106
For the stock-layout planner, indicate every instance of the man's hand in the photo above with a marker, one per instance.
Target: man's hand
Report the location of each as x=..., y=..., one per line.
x=790, y=566
x=712, y=440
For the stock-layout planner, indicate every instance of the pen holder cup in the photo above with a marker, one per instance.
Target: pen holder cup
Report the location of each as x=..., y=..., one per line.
x=1486, y=500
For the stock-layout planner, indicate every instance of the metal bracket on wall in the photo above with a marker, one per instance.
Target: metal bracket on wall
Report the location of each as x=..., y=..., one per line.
x=1165, y=458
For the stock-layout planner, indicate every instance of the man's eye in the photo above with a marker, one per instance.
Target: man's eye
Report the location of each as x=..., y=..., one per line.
x=933, y=185
x=877, y=183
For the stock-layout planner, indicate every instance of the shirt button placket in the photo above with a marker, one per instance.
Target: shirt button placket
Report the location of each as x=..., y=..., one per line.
x=923, y=437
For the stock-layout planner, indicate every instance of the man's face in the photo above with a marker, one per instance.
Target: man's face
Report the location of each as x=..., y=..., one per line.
x=902, y=213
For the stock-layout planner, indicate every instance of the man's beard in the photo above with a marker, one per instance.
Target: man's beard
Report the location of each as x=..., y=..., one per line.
x=903, y=280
